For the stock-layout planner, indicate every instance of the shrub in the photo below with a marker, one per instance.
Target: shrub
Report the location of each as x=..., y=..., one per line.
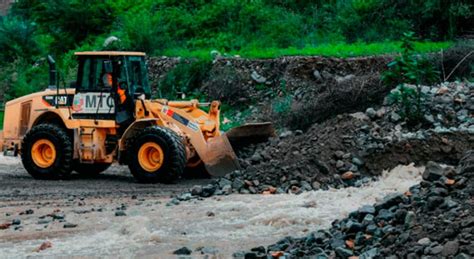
x=408, y=72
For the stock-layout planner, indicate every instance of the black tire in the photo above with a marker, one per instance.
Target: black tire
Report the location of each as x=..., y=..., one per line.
x=196, y=172
x=90, y=170
x=174, y=155
x=62, y=166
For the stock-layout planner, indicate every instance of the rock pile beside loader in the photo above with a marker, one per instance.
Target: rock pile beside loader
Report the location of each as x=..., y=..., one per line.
x=351, y=149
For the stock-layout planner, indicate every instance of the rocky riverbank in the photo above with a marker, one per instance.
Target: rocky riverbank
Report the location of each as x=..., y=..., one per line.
x=432, y=220
x=352, y=149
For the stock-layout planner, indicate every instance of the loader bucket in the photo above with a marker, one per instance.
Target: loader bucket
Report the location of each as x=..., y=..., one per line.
x=220, y=158
x=250, y=133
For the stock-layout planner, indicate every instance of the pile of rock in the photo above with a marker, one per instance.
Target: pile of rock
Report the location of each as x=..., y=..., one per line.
x=351, y=149
x=434, y=219
x=449, y=107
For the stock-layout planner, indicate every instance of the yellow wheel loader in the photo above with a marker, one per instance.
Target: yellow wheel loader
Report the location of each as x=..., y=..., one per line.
x=108, y=116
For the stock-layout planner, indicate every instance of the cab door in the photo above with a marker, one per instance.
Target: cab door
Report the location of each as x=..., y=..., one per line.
x=94, y=98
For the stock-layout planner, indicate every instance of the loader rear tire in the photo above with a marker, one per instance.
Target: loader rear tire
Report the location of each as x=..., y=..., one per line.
x=90, y=170
x=156, y=154
x=46, y=152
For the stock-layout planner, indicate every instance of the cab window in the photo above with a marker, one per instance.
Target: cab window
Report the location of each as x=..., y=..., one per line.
x=91, y=73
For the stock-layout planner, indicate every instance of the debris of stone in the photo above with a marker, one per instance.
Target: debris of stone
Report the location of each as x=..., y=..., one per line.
x=45, y=245
x=183, y=251
x=120, y=213
x=69, y=225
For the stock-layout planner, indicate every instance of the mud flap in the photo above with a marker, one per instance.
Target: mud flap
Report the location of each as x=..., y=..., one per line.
x=250, y=133
x=220, y=158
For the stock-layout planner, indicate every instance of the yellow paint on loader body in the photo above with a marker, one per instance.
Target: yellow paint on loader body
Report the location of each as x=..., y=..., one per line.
x=199, y=130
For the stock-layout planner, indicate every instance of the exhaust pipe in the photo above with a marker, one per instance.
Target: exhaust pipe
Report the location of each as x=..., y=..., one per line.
x=52, y=73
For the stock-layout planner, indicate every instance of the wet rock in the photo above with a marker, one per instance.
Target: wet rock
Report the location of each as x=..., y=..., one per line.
x=44, y=221
x=238, y=184
x=239, y=254
x=5, y=226
x=340, y=79
x=339, y=164
x=394, y=117
x=389, y=201
x=183, y=251
x=316, y=185
x=337, y=242
x=433, y=250
x=434, y=202
x=256, y=158
x=224, y=182
x=433, y=171
x=462, y=256
x=305, y=186
x=120, y=213
x=450, y=248
x=410, y=220
x=258, y=78
x=251, y=255
x=339, y=154
x=196, y=190
x=260, y=249
x=227, y=189
x=353, y=227
x=27, y=212
x=357, y=161
x=343, y=252
x=208, y=190
x=185, y=196
x=369, y=254
x=317, y=75
x=209, y=250
x=58, y=216
x=367, y=209
x=69, y=225
x=285, y=134
x=45, y=245
x=424, y=241
x=347, y=175
x=371, y=113
x=368, y=219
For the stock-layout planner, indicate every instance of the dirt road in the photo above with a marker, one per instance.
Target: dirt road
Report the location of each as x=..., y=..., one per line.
x=114, y=216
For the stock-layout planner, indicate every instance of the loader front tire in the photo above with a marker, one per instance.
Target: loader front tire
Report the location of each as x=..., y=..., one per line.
x=46, y=152
x=156, y=154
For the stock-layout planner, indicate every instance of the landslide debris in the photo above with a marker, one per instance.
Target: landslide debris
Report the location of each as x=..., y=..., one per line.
x=351, y=149
x=434, y=219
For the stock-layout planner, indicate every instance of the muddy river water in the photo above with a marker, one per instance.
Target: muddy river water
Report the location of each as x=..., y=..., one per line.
x=150, y=228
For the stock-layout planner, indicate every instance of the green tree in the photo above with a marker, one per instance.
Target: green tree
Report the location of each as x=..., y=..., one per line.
x=18, y=40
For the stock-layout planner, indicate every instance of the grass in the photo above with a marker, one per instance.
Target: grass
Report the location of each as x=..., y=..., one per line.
x=341, y=50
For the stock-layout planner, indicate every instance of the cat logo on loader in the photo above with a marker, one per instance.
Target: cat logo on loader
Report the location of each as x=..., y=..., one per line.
x=109, y=116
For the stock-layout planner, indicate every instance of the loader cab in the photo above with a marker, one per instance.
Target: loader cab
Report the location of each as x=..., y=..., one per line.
x=108, y=83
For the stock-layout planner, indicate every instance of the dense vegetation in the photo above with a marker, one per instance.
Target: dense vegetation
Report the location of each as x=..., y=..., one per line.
x=251, y=28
